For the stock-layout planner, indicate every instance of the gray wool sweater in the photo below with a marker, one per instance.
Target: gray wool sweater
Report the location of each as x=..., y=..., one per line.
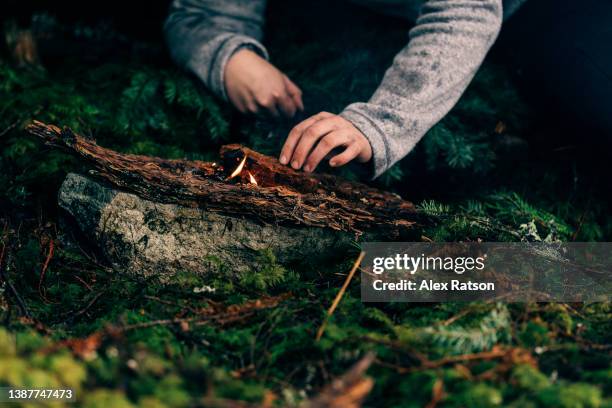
x=427, y=77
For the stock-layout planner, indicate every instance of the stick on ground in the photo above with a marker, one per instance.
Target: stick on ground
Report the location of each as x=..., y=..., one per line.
x=339, y=295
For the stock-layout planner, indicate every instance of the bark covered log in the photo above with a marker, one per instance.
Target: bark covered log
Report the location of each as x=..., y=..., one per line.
x=283, y=196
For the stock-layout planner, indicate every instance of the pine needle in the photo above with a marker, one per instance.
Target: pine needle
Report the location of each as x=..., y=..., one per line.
x=332, y=308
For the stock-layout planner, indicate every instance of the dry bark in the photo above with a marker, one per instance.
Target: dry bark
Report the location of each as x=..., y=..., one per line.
x=283, y=197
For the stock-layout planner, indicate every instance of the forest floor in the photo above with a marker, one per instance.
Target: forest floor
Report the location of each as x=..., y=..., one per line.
x=492, y=170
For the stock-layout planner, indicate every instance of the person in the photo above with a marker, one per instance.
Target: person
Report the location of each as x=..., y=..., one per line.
x=220, y=41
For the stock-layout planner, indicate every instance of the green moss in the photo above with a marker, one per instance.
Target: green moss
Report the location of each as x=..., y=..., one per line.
x=480, y=396
x=602, y=378
x=529, y=378
x=7, y=343
x=534, y=333
x=69, y=372
x=151, y=402
x=571, y=396
x=105, y=399
x=266, y=273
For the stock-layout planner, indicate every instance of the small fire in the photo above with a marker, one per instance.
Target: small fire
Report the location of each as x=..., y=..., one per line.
x=238, y=169
x=251, y=178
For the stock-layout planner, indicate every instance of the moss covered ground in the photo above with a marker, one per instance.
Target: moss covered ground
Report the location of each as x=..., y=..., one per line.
x=494, y=169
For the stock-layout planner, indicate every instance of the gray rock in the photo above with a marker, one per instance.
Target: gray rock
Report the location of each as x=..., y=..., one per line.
x=145, y=238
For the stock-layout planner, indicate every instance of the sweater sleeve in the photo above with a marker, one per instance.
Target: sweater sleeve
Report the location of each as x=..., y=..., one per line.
x=203, y=34
x=445, y=49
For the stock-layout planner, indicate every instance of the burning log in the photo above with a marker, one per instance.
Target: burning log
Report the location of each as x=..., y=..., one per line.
x=149, y=213
x=282, y=196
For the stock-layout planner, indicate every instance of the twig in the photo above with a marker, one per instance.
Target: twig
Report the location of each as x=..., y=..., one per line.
x=89, y=305
x=437, y=393
x=581, y=220
x=170, y=303
x=10, y=127
x=44, y=271
x=456, y=317
x=87, y=285
x=222, y=318
x=348, y=390
x=514, y=353
x=339, y=295
x=396, y=345
x=16, y=122
x=230, y=314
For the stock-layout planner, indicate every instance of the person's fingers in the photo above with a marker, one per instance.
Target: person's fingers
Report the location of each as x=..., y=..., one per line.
x=267, y=103
x=295, y=133
x=346, y=156
x=311, y=136
x=271, y=109
x=241, y=107
x=326, y=145
x=249, y=106
x=295, y=92
x=240, y=104
x=286, y=105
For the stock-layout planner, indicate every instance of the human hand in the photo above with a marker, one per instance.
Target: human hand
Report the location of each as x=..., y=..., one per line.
x=330, y=131
x=253, y=85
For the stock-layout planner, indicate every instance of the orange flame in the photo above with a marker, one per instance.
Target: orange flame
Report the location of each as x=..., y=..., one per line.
x=251, y=178
x=238, y=169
